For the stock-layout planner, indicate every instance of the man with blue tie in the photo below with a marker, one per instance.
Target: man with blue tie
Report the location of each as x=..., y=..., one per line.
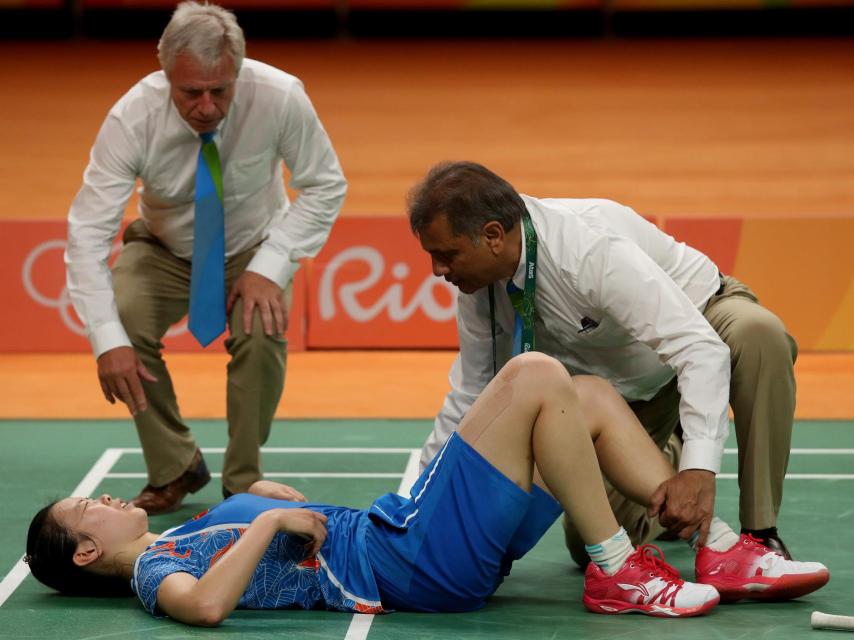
x=596, y=286
x=216, y=238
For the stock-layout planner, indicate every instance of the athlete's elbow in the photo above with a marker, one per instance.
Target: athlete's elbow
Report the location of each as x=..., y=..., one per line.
x=204, y=613
x=210, y=615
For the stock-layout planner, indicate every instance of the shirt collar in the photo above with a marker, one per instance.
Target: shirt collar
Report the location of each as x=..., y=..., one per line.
x=519, y=275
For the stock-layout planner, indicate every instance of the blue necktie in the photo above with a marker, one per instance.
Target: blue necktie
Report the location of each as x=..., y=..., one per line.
x=207, y=278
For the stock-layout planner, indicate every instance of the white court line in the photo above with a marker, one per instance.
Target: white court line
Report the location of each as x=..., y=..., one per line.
x=288, y=474
x=296, y=450
x=799, y=476
x=797, y=451
x=87, y=485
x=360, y=625
x=839, y=452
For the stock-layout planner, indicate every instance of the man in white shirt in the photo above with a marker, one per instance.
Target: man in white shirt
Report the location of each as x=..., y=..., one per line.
x=257, y=117
x=607, y=293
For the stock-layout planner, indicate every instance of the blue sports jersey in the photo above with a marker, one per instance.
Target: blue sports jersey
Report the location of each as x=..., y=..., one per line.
x=339, y=577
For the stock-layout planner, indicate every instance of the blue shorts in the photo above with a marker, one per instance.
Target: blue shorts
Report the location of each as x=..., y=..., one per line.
x=449, y=545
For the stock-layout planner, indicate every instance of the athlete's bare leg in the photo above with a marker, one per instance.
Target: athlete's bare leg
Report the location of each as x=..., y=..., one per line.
x=535, y=422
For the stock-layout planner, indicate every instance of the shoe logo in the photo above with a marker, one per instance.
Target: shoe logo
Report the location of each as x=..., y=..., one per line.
x=640, y=588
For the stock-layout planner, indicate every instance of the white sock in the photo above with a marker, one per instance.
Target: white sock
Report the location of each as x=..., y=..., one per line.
x=611, y=554
x=721, y=536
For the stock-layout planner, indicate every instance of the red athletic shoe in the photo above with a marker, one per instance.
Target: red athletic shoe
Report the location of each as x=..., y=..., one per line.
x=750, y=570
x=646, y=584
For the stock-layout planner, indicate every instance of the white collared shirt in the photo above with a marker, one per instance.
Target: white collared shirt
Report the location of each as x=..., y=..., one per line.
x=270, y=120
x=615, y=297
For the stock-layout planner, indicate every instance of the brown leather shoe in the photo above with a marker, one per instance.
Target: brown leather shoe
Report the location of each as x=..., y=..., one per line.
x=165, y=499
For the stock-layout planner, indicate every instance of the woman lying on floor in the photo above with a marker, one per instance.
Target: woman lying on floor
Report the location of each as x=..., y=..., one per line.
x=530, y=448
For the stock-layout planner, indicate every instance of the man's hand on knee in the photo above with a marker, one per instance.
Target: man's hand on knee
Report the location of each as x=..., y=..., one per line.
x=685, y=503
x=119, y=371
x=265, y=295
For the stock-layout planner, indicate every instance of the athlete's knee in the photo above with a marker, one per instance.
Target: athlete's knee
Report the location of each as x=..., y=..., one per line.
x=540, y=371
x=593, y=390
x=597, y=398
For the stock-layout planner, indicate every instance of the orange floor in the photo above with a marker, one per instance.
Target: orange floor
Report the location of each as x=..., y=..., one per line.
x=742, y=127
x=354, y=384
x=708, y=127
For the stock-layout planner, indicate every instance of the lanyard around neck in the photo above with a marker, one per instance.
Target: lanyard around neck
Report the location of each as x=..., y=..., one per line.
x=523, y=301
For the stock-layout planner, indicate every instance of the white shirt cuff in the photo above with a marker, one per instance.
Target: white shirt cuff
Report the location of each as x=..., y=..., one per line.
x=108, y=336
x=702, y=454
x=272, y=266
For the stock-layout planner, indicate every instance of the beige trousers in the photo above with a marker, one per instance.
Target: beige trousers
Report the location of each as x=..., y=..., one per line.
x=762, y=397
x=152, y=293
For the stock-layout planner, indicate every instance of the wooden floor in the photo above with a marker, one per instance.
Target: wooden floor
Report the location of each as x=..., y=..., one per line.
x=740, y=127
x=350, y=384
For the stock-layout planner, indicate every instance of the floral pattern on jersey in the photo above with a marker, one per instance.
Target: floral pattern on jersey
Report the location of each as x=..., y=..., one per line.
x=283, y=578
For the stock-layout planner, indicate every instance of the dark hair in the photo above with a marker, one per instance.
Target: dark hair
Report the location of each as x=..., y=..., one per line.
x=469, y=194
x=50, y=554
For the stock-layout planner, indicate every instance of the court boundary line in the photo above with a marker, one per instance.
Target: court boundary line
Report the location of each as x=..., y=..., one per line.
x=282, y=474
x=361, y=623
x=370, y=476
x=90, y=481
x=802, y=451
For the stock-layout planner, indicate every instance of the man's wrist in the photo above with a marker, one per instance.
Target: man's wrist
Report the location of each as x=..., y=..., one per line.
x=107, y=337
x=273, y=266
x=701, y=454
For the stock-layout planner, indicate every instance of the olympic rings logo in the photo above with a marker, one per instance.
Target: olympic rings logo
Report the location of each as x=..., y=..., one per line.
x=332, y=295
x=62, y=301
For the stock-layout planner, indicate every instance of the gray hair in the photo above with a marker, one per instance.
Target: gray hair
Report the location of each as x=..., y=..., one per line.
x=469, y=194
x=206, y=32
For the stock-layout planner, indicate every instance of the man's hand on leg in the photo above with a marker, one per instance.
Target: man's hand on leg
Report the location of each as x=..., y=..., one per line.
x=266, y=295
x=685, y=503
x=119, y=371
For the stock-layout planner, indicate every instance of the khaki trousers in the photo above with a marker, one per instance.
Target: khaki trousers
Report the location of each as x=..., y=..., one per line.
x=152, y=293
x=762, y=397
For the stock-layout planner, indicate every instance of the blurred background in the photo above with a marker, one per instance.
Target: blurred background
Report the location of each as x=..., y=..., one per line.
x=729, y=123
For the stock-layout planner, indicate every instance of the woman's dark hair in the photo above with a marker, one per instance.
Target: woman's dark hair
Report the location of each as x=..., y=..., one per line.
x=50, y=554
x=469, y=194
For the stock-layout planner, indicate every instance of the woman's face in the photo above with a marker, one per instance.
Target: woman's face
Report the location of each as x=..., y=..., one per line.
x=108, y=521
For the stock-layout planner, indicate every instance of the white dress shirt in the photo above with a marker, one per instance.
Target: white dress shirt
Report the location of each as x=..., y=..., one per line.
x=270, y=120
x=600, y=261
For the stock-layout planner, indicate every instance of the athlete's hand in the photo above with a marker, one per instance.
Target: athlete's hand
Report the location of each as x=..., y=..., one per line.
x=119, y=372
x=277, y=490
x=685, y=503
x=306, y=524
